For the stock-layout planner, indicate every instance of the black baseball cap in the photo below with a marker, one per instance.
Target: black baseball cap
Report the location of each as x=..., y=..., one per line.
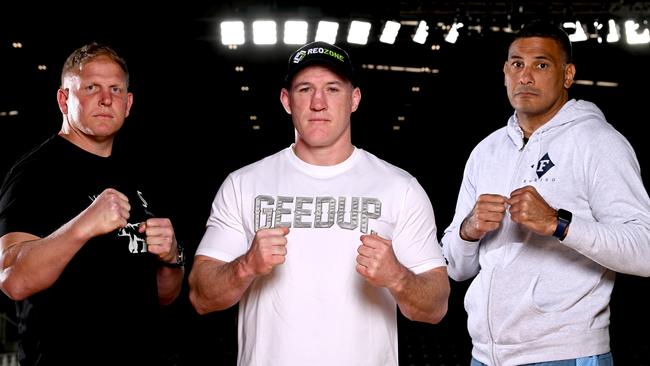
x=320, y=53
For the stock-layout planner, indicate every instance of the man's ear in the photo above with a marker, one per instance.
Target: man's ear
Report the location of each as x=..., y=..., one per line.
x=62, y=99
x=285, y=100
x=356, y=98
x=129, y=103
x=569, y=74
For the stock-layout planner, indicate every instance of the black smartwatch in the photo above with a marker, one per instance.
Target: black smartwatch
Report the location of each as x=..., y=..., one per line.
x=180, y=258
x=563, y=221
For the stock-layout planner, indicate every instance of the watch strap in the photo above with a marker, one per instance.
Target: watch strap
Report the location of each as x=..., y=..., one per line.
x=563, y=220
x=180, y=258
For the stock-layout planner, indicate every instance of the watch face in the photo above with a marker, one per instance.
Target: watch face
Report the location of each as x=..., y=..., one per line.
x=564, y=215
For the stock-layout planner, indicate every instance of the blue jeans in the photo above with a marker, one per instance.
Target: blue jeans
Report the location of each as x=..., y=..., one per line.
x=601, y=360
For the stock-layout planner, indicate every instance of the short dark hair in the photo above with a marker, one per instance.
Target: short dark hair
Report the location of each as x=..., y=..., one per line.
x=87, y=53
x=539, y=28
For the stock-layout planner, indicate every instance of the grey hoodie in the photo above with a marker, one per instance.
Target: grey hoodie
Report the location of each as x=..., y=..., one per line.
x=536, y=298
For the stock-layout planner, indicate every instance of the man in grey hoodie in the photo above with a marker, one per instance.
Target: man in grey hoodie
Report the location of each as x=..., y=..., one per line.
x=551, y=206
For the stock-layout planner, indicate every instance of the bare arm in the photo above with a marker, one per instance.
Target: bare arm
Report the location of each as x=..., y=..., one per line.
x=422, y=297
x=217, y=285
x=170, y=281
x=29, y=264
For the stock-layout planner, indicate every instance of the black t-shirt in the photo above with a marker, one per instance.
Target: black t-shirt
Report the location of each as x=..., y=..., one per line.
x=103, y=309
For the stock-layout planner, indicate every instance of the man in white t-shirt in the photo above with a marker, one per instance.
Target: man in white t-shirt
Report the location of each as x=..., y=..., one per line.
x=321, y=241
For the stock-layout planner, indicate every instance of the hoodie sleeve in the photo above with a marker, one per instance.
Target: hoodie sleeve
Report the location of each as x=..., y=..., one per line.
x=617, y=233
x=462, y=255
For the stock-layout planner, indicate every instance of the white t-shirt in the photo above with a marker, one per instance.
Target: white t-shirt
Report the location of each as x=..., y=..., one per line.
x=315, y=309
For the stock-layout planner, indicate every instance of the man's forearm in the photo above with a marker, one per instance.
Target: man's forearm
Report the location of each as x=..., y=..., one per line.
x=217, y=285
x=423, y=297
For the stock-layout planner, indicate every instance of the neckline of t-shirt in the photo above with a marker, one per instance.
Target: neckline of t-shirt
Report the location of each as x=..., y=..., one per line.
x=79, y=152
x=321, y=171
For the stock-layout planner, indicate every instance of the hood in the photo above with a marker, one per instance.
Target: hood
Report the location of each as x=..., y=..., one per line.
x=573, y=111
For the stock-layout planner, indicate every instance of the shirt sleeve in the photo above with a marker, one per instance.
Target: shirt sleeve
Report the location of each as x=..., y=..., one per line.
x=462, y=256
x=224, y=238
x=414, y=240
x=19, y=204
x=616, y=231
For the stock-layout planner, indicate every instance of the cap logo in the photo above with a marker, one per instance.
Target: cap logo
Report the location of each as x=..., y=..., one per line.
x=299, y=56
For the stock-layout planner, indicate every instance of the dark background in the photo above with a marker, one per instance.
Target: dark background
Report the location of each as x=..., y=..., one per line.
x=190, y=123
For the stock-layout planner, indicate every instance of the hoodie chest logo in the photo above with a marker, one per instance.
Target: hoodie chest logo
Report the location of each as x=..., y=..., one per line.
x=544, y=165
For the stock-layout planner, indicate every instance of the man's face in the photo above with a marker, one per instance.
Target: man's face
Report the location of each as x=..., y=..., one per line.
x=96, y=100
x=320, y=103
x=537, y=78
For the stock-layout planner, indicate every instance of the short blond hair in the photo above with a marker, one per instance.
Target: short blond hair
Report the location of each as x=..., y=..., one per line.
x=87, y=53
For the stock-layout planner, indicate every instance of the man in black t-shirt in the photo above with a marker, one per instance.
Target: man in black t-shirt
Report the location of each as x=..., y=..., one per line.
x=82, y=253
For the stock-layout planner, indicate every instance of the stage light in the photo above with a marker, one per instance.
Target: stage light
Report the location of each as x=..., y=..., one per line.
x=613, y=35
x=608, y=84
x=232, y=33
x=295, y=32
x=264, y=32
x=632, y=36
x=390, y=31
x=421, y=33
x=579, y=34
x=452, y=36
x=359, y=31
x=597, y=31
x=326, y=31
